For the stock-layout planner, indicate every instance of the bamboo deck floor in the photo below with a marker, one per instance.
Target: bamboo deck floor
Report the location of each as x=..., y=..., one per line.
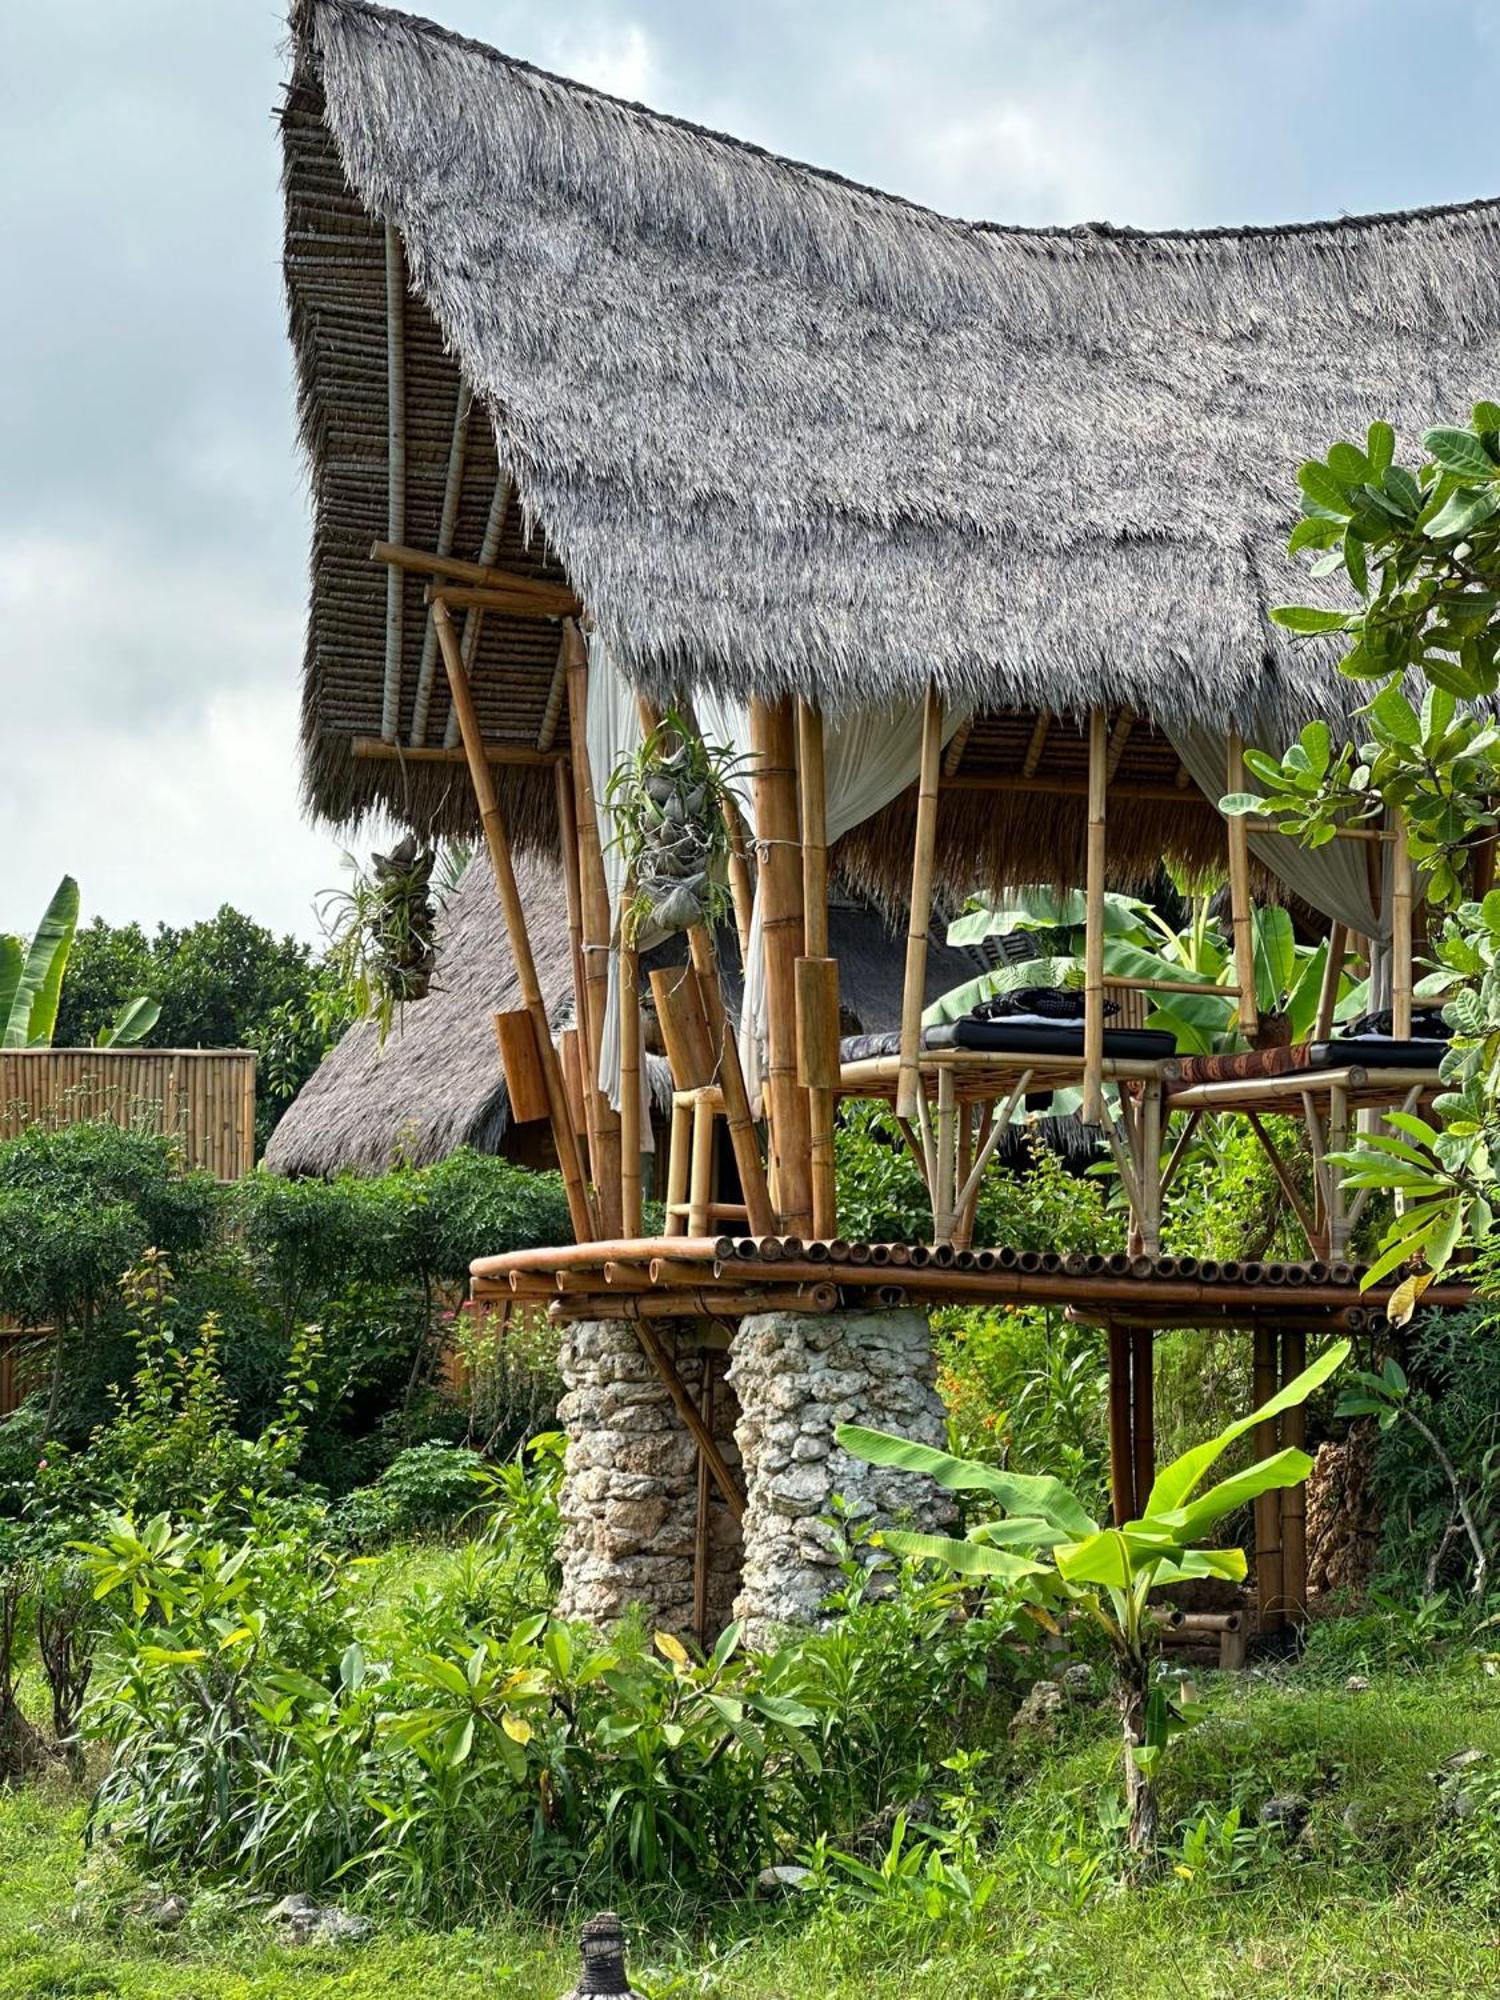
x=686, y=1277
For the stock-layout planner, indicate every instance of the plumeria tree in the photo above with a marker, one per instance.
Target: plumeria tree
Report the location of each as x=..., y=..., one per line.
x=1418, y=549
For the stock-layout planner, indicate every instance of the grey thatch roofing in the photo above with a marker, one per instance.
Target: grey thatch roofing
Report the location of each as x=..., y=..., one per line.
x=436, y=1083
x=783, y=432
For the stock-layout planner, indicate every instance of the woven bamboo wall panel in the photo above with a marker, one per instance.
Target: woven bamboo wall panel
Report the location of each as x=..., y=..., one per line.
x=205, y=1096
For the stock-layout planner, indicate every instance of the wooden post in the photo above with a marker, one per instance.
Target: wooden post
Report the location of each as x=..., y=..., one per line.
x=1092, y=1109
x=677, y=1164
x=687, y=1409
x=914, y=986
x=759, y=1216
x=703, y=1527
x=1148, y=1174
x=817, y=975
x=1294, y=1498
x=773, y=741
x=1240, y=918
x=1121, y=1469
x=567, y=838
x=1268, y=1570
x=1142, y=1415
x=1401, y=930
x=498, y=843
x=1328, y=990
x=594, y=901
x=630, y=1077
x=945, y=1164
x=701, y=1177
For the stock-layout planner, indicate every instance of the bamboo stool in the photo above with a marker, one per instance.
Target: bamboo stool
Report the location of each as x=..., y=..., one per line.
x=691, y=1209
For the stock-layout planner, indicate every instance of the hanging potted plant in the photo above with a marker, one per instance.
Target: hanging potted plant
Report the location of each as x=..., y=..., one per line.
x=672, y=803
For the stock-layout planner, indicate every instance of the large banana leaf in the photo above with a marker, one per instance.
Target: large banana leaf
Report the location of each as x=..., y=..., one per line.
x=1275, y=954
x=1288, y=1467
x=12, y=958
x=1026, y=1493
x=953, y=1006
x=32, y=1014
x=1044, y=909
x=133, y=1023
x=965, y=1558
x=1175, y=1482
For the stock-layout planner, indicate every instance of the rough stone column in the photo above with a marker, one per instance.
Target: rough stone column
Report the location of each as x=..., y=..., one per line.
x=630, y=1488
x=797, y=1377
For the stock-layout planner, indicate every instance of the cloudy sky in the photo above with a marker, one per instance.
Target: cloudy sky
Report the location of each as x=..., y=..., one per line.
x=152, y=511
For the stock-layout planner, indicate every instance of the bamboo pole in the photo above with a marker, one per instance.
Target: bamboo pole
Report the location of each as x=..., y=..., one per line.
x=686, y=1408
x=489, y=548
x=1240, y=919
x=594, y=907
x=1401, y=930
x=1092, y=1109
x=458, y=446
x=778, y=837
x=1328, y=990
x=677, y=1164
x=630, y=1077
x=703, y=1526
x=914, y=985
x=1268, y=1570
x=737, y=1114
x=1294, y=1498
x=395, y=441
x=498, y=843
x=821, y=977
x=701, y=1176
x=567, y=837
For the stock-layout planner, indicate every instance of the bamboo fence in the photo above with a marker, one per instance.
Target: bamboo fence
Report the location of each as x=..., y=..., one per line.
x=206, y=1097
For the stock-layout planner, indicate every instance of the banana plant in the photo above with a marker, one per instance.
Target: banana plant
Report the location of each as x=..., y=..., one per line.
x=1044, y=1543
x=31, y=980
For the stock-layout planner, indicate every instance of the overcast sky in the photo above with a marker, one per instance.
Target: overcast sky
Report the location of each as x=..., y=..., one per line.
x=152, y=508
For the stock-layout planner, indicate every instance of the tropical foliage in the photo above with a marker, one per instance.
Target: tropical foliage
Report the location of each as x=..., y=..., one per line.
x=31, y=983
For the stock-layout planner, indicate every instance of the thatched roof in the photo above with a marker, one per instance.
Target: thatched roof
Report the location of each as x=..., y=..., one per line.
x=782, y=432
x=436, y=1084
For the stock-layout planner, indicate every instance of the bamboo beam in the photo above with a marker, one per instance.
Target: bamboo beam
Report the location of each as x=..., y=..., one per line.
x=1119, y=738
x=594, y=909
x=1092, y=1109
x=958, y=742
x=1071, y=788
x=516, y=754
x=481, y=575
x=567, y=841
x=914, y=986
x=498, y=844
x=1241, y=922
x=521, y=599
x=1284, y=1179
x=778, y=839
x=458, y=447
x=489, y=548
x=1036, y=745
x=1401, y=930
x=817, y=975
x=395, y=441
x=676, y=1388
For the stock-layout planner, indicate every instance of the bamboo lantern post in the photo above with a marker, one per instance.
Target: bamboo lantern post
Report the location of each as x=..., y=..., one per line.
x=498, y=844
x=1294, y=1498
x=1401, y=929
x=773, y=741
x=1241, y=922
x=1268, y=1567
x=817, y=974
x=914, y=986
x=1092, y=1109
x=594, y=905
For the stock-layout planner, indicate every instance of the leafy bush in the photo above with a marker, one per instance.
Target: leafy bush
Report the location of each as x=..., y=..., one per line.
x=1025, y=1388
x=426, y=1488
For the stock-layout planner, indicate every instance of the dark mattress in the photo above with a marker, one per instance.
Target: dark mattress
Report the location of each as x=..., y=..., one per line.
x=1063, y=1038
x=1342, y=1052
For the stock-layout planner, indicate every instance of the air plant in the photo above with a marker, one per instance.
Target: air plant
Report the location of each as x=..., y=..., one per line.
x=672, y=803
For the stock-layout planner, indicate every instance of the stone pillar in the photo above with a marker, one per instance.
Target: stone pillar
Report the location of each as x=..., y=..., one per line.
x=630, y=1488
x=797, y=1377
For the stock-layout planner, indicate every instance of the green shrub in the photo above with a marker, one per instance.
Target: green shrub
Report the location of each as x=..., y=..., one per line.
x=1025, y=1388
x=424, y=1489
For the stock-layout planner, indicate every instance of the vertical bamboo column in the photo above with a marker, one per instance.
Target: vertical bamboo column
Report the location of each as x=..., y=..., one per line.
x=759, y=1215
x=1121, y=1452
x=1092, y=1109
x=773, y=742
x=703, y=1525
x=1142, y=1415
x=1240, y=918
x=817, y=974
x=395, y=440
x=594, y=900
x=914, y=986
x=1294, y=1498
x=1401, y=929
x=1328, y=988
x=1268, y=1569
x=630, y=1078
x=498, y=843
x=567, y=840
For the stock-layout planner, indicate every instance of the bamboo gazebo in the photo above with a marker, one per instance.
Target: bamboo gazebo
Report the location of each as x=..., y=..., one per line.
x=962, y=535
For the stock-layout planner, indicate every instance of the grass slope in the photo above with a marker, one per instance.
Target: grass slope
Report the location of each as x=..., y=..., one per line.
x=1393, y=1889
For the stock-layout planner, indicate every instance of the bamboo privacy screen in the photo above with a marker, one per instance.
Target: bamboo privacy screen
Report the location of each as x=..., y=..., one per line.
x=205, y=1096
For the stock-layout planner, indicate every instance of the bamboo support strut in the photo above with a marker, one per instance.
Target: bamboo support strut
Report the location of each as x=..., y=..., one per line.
x=778, y=837
x=737, y=1114
x=687, y=1409
x=594, y=903
x=1092, y=1109
x=489, y=548
x=1240, y=918
x=480, y=575
x=498, y=844
x=458, y=447
x=1401, y=931
x=914, y=985
x=524, y=755
x=630, y=1078
x=395, y=434
x=817, y=992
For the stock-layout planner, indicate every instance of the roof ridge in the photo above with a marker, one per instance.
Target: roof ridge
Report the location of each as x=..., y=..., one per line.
x=302, y=10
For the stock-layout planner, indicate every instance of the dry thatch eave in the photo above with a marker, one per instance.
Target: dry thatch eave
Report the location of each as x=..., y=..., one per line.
x=781, y=432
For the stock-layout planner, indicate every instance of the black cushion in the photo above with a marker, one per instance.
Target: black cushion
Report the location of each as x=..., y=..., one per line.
x=1017, y=1038
x=1377, y=1052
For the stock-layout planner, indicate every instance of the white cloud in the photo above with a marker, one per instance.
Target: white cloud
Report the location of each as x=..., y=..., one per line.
x=618, y=57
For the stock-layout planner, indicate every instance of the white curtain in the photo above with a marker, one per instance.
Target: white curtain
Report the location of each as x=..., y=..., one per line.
x=613, y=730
x=1333, y=879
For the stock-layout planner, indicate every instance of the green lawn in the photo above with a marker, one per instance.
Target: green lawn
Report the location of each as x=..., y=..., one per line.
x=1390, y=1891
